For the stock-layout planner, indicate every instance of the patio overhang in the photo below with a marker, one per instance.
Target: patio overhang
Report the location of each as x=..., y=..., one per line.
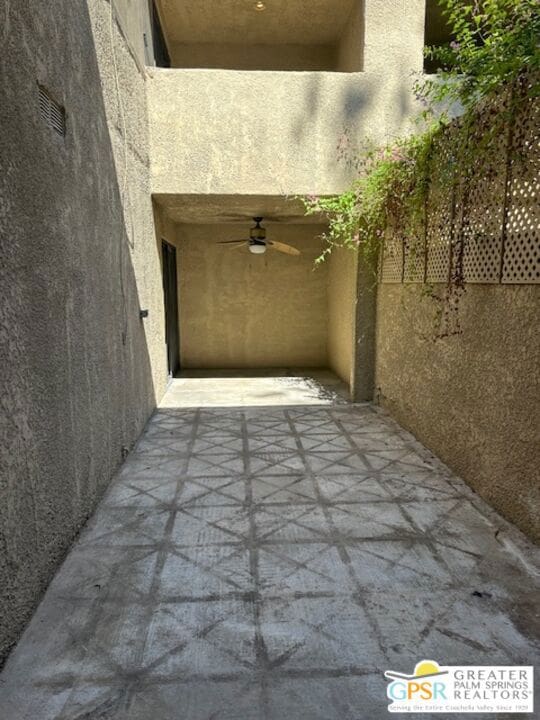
x=191, y=209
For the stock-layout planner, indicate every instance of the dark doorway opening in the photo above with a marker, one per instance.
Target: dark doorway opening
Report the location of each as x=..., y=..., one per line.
x=170, y=292
x=438, y=33
x=161, y=54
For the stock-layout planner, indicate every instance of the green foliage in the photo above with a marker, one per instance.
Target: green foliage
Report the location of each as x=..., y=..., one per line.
x=496, y=42
x=394, y=182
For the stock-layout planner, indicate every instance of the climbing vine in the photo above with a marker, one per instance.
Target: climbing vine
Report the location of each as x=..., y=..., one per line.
x=495, y=46
x=394, y=181
x=495, y=41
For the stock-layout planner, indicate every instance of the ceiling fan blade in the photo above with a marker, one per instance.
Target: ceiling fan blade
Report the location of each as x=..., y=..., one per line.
x=230, y=242
x=282, y=247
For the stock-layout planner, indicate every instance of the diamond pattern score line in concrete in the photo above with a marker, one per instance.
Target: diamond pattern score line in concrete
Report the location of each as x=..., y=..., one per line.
x=270, y=563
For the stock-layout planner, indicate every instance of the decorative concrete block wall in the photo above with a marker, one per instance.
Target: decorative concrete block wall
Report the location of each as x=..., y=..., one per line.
x=486, y=226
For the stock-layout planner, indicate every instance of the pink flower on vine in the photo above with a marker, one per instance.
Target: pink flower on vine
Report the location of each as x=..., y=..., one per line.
x=397, y=155
x=343, y=142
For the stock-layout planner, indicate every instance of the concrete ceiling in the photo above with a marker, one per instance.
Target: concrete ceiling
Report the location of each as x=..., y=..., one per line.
x=304, y=22
x=208, y=209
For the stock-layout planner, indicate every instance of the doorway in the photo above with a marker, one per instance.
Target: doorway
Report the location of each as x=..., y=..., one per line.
x=170, y=293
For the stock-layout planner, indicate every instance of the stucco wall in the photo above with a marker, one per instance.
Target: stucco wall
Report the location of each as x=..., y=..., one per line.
x=350, y=51
x=80, y=371
x=238, y=310
x=394, y=40
x=342, y=268
x=471, y=398
x=265, y=133
x=253, y=57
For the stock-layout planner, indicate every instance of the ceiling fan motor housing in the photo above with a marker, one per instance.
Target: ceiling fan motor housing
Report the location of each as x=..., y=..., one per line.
x=257, y=233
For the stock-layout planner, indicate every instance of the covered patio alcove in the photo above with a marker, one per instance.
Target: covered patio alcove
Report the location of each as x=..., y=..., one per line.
x=273, y=316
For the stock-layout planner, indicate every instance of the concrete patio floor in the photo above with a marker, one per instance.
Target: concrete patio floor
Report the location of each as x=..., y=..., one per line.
x=244, y=388
x=262, y=563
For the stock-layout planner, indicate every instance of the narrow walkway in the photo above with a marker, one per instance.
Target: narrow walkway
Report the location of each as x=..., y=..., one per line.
x=269, y=563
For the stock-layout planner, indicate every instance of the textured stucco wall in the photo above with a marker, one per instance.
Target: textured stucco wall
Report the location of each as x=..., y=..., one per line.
x=264, y=133
x=350, y=55
x=238, y=310
x=284, y=22
x=394, y=39
x=471, y=398
x=80, y=371
x=253, y=57
x=342, y=268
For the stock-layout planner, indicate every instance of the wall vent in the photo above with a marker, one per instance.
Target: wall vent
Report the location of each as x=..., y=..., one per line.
x=52, y=113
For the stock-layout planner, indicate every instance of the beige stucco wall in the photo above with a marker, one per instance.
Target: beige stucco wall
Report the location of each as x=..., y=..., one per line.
x=239, y=310
x=342, y=268
x=253, y=57
x=471, y=398
x=350, y=50
x=393, y=39
x=80, y=371
x=264, y=133
x=284, y=22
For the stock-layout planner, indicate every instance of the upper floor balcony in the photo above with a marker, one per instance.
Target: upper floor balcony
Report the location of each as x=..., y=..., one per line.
x=227, y=132
x=268, y=101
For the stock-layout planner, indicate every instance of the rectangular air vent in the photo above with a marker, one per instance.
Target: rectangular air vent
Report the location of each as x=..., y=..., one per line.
x=52, y=113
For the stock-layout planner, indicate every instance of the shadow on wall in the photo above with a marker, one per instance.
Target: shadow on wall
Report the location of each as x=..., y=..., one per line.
x=368, y=109
x=76, y=382
x=351, y=105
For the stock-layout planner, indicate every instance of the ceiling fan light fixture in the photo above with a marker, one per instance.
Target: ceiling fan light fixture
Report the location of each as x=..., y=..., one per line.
x=259, y=6
x=257, y=249
x=257, y=243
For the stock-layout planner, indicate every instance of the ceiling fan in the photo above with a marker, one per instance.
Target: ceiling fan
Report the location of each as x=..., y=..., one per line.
x=257, y=242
